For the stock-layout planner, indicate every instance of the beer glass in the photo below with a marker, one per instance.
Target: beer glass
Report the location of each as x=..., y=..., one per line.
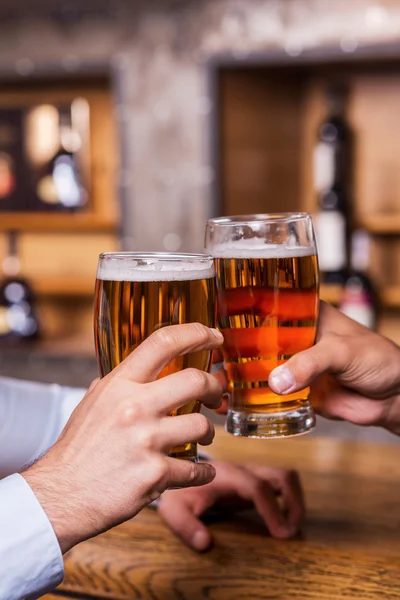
x=136, y=294
x=266, y=272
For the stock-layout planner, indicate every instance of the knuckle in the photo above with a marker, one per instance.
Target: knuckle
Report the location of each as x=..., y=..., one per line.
x=310, y=363
x=202, y=425
x=198, y=381
x=158, y=469
x=201, y=332
x=192, y=472
x=146, y=436
x=165, y=337
x=129, y=414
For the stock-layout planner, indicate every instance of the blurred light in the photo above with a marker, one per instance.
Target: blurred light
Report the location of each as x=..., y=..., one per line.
x=47, y=191
x=43, y=136
x=376, y=16
x=348, y=44
x=14, y=292
x=7, y=179
x=172, y=242
x=68, y=189
x=24, y=66
x=70, y=139
x=11, y=266
x=17, y=318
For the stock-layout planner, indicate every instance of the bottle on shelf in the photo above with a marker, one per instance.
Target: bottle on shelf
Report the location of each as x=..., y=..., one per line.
x=332, y=174
x=359, y=299
x=18, y=319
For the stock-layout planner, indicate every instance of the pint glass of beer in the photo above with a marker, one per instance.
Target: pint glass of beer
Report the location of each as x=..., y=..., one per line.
x=267, y=306
x=136, y=294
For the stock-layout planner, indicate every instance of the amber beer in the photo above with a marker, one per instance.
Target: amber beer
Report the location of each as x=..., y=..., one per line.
x=267, y=306
x=136, y=294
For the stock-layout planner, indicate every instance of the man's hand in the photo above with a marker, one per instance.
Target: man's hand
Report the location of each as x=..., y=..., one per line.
x=111, y=459
x=275, y=493
x=354, y=373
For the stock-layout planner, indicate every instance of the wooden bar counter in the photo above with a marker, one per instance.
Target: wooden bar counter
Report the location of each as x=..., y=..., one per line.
x=349, y=547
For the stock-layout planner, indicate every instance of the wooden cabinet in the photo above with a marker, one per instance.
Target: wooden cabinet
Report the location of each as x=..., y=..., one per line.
x=59, y=250
x=269, y=111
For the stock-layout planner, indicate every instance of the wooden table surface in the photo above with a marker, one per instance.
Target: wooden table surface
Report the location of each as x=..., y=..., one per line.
x=349, y=547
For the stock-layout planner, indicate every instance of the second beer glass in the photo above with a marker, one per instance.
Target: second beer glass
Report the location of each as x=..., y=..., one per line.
x=267, y=306
x=139, y=293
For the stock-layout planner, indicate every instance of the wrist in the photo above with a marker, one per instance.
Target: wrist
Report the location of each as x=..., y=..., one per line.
x=51, y=491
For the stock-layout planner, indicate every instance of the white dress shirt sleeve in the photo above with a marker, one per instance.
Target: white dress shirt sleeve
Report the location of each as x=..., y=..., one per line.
x=31, y=418
x=31, y=563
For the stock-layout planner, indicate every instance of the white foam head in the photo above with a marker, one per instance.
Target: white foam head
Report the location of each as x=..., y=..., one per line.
x=255, y=248
x=138, y=269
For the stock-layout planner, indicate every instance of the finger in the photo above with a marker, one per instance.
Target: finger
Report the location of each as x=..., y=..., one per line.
x=287, y=483
x=223, y=409
x=258, y=491
x=349, y=406
x=184, y=473
x=158, y=350
x=180, y=430
x=177, y=512
x=178, y=389
x=333, y=354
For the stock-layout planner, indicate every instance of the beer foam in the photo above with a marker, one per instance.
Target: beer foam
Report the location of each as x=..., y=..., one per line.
x=159, y=271
x=254, y=248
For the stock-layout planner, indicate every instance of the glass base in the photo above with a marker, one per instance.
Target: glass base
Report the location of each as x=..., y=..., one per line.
x=283, y=423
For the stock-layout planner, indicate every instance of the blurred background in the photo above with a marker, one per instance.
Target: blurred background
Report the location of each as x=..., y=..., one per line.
x=125, y=124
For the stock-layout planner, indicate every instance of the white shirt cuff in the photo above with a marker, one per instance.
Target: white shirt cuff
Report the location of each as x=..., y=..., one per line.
x=31, y=562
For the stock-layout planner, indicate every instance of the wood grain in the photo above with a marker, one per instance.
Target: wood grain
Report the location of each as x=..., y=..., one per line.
x=349, y=547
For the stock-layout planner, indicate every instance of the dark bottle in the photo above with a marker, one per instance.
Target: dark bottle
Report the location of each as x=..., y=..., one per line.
x=332, y=174
x=18, y=319
x=360, y=300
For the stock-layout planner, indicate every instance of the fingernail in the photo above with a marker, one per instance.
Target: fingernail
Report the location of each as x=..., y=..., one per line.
x=282, y=380
x=217, y=334
x=200, y=540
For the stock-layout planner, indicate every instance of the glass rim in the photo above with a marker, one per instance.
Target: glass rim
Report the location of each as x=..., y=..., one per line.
x=283, y=217
x=161, y=256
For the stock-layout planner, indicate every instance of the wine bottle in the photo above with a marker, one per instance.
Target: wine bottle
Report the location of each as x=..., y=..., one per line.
x=18, y=319
x=332, y=170
x=360, y=300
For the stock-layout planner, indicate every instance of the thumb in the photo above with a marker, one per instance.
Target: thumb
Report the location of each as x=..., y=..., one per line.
x=178, y=514
x=329, y=355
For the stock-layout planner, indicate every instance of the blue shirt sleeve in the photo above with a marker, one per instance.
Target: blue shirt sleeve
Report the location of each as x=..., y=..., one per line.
x=31, y=563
